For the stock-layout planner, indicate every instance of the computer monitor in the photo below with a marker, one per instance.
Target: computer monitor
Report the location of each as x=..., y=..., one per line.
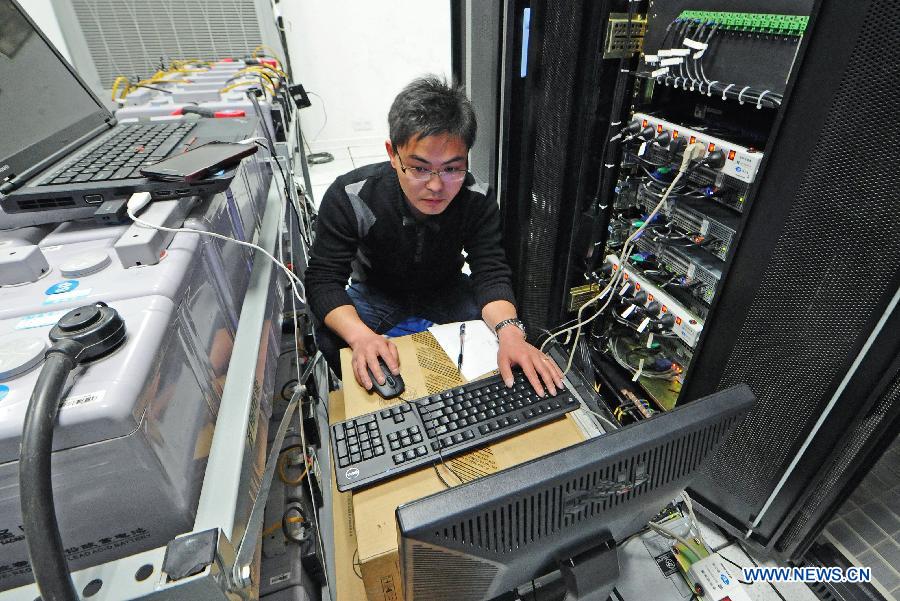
x=564, y=512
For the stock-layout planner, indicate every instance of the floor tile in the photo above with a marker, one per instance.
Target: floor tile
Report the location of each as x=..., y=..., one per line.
x=883, y=573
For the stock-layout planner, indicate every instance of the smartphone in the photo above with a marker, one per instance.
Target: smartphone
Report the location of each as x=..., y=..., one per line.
x=198, y=163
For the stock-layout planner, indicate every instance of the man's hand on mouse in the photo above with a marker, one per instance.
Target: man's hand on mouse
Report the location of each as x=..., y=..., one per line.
x=366, y=350
x=540, y=370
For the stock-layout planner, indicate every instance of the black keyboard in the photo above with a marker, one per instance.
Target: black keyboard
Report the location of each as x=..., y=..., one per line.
x=386, y=443
x=122, y=155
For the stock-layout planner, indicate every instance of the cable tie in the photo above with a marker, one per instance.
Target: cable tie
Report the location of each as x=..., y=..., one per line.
x=759, y=100
x=725, y=91
x=639, y=371
x=741, y=94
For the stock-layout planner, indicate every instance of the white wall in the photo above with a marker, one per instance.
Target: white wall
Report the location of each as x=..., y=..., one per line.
x=41, y=11
x=356, y=55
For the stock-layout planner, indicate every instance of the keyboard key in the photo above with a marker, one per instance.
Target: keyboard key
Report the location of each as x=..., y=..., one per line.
x=421, y=451
x=409, y=454
x=399, y=458
x=102, y=175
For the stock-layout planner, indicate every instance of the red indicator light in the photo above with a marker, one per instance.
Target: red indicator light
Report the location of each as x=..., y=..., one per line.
x=731, y=155
x=659, y=129
x=675, y=134
x=692, y=140
x=678, y=321
x=711, y=147
x=644, y=123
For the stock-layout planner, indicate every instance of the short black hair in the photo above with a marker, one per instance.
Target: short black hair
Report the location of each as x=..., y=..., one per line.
x=429, y=106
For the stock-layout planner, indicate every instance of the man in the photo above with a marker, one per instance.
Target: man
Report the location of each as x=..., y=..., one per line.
x=399, y=228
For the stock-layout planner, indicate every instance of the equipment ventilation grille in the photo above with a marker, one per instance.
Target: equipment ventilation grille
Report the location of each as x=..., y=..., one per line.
x=440, y=575
x=46, y=203
x=544, y=513
x=129, y=37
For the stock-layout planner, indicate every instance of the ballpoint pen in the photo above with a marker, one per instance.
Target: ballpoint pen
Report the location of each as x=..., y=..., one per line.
x=462, y=343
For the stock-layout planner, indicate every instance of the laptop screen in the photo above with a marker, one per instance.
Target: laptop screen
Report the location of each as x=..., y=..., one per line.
x=43, y=104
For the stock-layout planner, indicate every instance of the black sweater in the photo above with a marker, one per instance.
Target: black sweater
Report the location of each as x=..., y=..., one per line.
x=366, y=228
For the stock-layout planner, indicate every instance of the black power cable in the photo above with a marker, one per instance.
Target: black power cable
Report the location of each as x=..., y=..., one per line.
x=82, y=334
x=45, y=548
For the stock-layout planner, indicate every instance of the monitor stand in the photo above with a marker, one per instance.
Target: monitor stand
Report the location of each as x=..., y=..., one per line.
x=591, y=575
x=588, y=575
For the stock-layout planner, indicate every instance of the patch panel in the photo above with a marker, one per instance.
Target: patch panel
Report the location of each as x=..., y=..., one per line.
x=791, y=25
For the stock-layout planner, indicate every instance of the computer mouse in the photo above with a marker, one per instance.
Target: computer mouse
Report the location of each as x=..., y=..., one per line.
x=393, y=385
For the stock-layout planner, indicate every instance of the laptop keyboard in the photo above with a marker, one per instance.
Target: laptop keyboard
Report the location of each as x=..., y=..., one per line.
x=123, y=154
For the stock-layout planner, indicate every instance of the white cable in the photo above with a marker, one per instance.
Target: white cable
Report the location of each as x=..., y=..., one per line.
x=669, y=534
x=137, y=202
x=689, y=154
x=725, y=91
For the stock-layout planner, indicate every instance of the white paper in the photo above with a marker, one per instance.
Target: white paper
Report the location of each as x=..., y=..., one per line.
x=479, y=351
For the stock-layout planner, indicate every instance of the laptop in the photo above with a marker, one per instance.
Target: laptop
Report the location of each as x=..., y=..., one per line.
x=62, y=152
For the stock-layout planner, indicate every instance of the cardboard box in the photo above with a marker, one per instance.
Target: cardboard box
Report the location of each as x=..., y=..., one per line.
x=348, y=583
x=426, y=370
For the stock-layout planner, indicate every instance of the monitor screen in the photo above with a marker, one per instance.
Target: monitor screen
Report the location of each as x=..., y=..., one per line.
x=563, y=512
x=43, y=104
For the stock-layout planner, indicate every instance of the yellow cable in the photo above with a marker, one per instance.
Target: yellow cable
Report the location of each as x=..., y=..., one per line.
x=119, y=80
x=271, y=52
x=276, y=527
x=257, y=70
x=283, y=475
x=245, y=83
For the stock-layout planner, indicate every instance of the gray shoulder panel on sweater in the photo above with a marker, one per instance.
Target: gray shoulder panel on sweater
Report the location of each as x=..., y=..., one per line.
x=479, y=188
x=364, y=216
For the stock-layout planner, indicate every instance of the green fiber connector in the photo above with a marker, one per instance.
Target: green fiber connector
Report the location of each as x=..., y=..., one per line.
x=752, y=22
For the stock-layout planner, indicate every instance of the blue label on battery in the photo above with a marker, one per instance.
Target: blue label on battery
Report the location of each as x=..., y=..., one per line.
x=64, y=286
x=4, y=390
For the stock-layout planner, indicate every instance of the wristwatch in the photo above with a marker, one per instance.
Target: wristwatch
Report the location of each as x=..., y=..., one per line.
x=509, y=322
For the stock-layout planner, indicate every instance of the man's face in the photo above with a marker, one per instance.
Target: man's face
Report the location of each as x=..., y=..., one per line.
x=440, y=153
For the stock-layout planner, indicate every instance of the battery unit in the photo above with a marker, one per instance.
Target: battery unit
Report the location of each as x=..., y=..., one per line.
x=131, y=442
x=134, y=428
x=168, y=106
